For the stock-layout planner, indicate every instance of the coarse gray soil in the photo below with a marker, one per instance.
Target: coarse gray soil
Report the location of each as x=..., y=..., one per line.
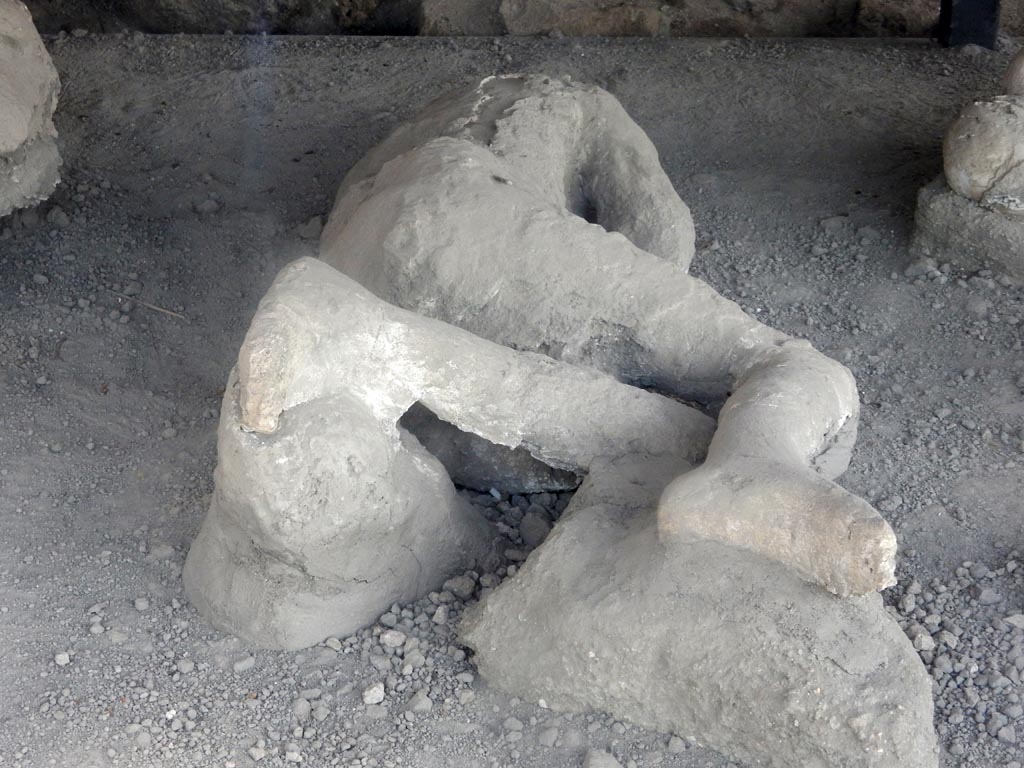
x=193, y=166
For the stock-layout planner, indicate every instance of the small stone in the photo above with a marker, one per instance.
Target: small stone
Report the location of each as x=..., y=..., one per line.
x=460, y=586
x=207, y=206
x=440, y=615
x=512, y=724
x=676, y=745
x=924, y=642
x=57, y=217
x=413, y=660
x=392, y=638
x=244, y=664
x=534, y=529
x=62, y=659
x=1007, y=734
x=420, y=702
x=141, y=604
x=185, y=666
x=920, y=268
x=548, y=737
x=374, y=694
x=868, y=235
x=39, y=279
x=1016, y=620
x=301, y=708
x=986, y=596
x=907, y=604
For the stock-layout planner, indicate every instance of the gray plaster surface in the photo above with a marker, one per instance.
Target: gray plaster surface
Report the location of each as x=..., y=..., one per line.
x=29, y=160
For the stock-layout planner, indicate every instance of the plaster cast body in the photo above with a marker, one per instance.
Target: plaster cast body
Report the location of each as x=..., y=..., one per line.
x=675, y=591
x=473, y=213
x=28, y=98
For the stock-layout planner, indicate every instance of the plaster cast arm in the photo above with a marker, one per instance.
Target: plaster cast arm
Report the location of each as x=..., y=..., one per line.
x=317, y=333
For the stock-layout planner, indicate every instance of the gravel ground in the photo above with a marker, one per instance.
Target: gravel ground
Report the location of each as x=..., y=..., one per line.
x=193, y=169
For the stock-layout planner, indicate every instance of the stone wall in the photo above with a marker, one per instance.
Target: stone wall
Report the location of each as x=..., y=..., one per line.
x=780, y=18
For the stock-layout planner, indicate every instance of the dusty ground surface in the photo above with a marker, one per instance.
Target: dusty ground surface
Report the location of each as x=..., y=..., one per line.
x=192, y=163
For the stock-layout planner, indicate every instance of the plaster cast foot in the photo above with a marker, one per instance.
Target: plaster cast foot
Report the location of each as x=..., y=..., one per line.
x=789, y=514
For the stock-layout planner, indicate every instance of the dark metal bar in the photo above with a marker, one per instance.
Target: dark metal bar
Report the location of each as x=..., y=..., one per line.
x=969, y=21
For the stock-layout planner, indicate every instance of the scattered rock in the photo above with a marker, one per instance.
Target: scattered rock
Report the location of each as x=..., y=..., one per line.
x=57, y=217
x=392, y=638
x=986, y=595
x=420, y=703
x=374, y=694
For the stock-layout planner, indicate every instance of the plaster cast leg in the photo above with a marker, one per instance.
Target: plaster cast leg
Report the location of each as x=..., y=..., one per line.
x=548, y=281
x=317, y=333
x=703, y=640
x=757, y=488
x=313, y=531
